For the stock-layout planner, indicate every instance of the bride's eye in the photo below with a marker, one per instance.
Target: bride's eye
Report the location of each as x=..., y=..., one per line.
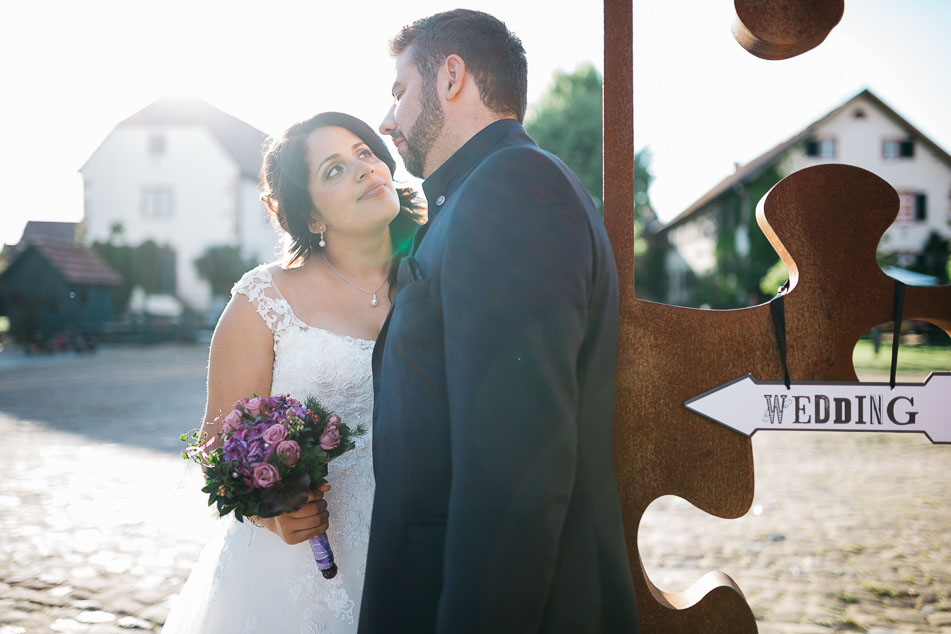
x=333, y=170
x=365, y=154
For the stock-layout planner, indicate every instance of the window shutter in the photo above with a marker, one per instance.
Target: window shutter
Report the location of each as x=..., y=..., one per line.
x=921, y=211
x=812, y=148
x=907, y=149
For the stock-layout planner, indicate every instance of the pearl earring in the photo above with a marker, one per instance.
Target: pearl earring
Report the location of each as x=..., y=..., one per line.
x=322, y=242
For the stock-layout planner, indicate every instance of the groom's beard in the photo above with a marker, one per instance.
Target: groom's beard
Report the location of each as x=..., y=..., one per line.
x=426, y=130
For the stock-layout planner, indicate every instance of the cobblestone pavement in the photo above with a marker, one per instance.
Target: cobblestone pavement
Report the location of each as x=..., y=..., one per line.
x=100, y=520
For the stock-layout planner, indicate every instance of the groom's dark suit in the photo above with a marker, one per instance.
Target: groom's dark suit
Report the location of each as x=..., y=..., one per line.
x=496, y=505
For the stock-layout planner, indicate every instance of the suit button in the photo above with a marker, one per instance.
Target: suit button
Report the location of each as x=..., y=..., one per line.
x=440, y=200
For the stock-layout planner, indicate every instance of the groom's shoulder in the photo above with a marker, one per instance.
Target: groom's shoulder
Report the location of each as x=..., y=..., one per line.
x=520, y=171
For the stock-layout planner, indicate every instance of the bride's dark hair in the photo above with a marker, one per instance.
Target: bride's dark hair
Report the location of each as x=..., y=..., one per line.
x=286, y=191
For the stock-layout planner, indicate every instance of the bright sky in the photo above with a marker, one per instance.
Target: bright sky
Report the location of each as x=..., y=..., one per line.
x=72, y=70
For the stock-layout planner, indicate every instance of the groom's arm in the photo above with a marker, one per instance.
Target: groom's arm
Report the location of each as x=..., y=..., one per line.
x=515, y=287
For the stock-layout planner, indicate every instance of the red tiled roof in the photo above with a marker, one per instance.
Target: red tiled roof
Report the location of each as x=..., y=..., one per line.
x=79, y=266
x=41, y=231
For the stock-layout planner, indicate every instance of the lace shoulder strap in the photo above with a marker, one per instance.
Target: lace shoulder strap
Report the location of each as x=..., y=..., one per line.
x=258, y=285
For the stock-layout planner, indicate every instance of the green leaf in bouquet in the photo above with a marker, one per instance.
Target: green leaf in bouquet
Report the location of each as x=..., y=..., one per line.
x=314, y=405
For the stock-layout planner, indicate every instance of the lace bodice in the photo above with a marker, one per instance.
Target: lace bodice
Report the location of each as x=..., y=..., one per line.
x=253, y=581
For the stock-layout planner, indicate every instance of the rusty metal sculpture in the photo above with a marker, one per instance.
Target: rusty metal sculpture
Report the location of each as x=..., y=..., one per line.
x=780, y=29
x=825, y=222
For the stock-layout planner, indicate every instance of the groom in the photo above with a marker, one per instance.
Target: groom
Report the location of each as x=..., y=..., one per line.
x=496, y=504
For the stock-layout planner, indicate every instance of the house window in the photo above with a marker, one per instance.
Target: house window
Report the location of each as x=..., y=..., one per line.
x=821, y=148
x=912, y=207
x=859, y=113
x=157, y=202
x=157, y=144
x=898, y=148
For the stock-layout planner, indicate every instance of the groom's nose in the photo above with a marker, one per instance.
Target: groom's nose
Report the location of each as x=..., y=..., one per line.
x=388, y=125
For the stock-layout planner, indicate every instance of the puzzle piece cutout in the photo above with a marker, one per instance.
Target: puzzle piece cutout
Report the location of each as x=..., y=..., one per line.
x=825, y=222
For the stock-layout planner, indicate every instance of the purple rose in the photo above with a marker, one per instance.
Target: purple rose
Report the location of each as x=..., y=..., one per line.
x=274, y=434
x=254, y=406
x=289, y=451
x=231, y=422
x=266, y=475
x=330, y=438
x=333, y=419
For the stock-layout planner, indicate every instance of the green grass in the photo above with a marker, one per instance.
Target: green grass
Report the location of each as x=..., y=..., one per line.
x=845, y=597
x=882, y=591
x=918, y=359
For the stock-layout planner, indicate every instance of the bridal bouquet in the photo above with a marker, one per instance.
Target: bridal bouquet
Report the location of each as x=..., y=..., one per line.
x=271, y=452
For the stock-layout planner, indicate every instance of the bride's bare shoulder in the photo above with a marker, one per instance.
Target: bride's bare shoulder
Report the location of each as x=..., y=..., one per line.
x=242, y=318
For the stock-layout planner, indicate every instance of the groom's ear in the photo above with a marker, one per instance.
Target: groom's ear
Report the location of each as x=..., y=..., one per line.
x=455, y=77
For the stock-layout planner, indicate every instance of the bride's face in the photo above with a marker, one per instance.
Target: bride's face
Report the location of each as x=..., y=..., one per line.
x=351, y=188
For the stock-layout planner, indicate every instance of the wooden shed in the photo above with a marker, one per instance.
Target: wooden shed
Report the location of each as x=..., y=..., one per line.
x=48, y=288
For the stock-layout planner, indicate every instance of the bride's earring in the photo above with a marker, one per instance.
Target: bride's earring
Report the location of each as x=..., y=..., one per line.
x=322, y=242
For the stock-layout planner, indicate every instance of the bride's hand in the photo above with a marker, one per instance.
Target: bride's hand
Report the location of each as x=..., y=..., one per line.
x=305, y=523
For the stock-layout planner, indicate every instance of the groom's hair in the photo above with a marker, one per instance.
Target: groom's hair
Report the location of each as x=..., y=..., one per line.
x=492, y=53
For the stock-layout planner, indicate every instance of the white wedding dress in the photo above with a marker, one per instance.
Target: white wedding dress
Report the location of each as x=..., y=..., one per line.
x=247, y=580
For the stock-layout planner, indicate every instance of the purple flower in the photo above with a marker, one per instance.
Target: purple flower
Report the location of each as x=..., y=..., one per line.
x=254, y=406
x=235, y=451
x=333, y=419
x=330, y=438
x=256, y=452
x=274, y=434
x=289, y=451
x=231, y=422
x=242, y=434
x=266, y=475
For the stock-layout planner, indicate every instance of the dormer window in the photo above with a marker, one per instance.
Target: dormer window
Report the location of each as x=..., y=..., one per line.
x=821, y=148
x=898, y=148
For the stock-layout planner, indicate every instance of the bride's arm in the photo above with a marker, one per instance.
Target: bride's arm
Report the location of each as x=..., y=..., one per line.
x=240, y=360
x=240, y=364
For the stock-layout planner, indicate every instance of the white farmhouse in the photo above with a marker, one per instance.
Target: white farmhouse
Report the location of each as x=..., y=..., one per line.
x=184, y=174
x=864, y=132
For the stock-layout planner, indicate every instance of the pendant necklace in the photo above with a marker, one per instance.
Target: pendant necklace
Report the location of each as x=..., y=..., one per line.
x=373, y=300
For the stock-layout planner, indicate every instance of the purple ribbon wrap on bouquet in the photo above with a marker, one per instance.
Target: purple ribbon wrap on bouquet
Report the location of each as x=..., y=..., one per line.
x=323, y=555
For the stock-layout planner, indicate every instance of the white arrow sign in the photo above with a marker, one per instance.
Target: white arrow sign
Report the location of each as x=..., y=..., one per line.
x=747, y=405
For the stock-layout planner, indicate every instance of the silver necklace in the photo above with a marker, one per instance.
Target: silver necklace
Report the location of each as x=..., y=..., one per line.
x=373, y=300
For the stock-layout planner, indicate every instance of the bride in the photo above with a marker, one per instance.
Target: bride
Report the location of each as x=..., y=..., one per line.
x=306, y=329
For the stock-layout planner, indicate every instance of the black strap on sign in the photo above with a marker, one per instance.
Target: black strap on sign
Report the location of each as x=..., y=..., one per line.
x=778, y=312
x=899, y=302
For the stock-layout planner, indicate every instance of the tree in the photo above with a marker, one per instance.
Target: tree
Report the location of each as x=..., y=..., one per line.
x=933, y=259
x=567, y=123
x=149, y=266
x=222, y=266
x=122, y=258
